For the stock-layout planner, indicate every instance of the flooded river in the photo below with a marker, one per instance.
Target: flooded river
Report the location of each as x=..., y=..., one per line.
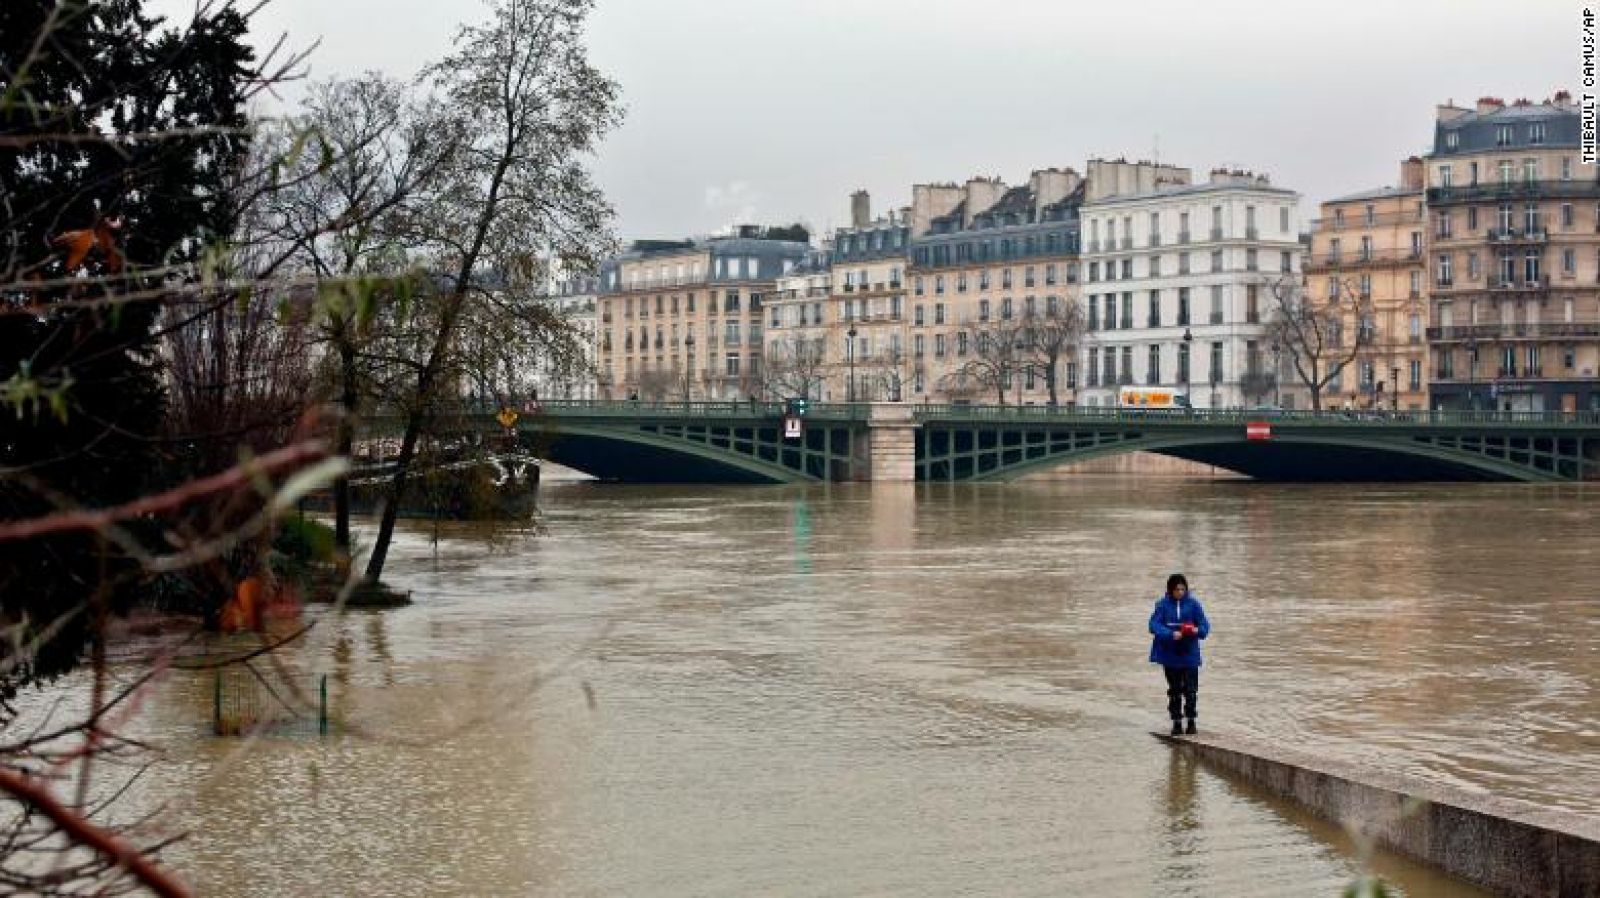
x=857, y=690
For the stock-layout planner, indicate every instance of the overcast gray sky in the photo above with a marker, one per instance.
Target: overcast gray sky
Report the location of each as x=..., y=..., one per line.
x=775, y=110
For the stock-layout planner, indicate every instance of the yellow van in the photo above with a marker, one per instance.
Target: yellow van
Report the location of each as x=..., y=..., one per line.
x=1152, y=397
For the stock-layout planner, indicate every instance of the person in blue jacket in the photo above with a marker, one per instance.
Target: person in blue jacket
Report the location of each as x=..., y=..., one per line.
x=1177, y=625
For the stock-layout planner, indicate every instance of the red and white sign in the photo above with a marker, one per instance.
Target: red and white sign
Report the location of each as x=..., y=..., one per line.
x=791, y=427
x=1258, y=430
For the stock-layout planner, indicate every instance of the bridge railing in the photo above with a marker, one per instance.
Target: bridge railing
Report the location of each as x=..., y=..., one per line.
x=840, y=411
x=1212, y=417
x=668, y=408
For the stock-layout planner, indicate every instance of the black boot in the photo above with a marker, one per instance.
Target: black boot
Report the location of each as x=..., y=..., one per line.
x=1190, y=730
x=1177, y=728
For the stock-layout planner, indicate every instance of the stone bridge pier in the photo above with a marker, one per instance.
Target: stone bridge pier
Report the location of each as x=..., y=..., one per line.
x=891, y=443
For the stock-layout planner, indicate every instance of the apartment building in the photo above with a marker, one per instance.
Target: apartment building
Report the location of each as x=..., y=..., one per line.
x=567, y=369
x=1177, y=281
x=985, y=256
x=683, y=318
x=799, y=312
x=1514, y=259
x=1368, y=253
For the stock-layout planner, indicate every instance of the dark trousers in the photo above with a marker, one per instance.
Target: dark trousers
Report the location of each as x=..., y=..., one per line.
x=1182, y=685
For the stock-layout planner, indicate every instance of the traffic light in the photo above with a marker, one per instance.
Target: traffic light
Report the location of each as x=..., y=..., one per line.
x=799, y=407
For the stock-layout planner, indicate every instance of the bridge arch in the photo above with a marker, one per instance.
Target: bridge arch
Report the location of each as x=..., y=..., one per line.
x=1016, y=452
x=685, y=452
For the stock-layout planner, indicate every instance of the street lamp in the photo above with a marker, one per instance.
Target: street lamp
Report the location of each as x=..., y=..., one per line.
x=1472, y=372
x=1394, y=387
x=688, y=366
x=850, y=356
x=1018, y=370
x=1277, y=372
x=1188, y=366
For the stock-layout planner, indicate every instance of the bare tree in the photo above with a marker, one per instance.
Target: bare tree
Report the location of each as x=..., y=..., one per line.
x=999, y=353
x=794, y=366
x=890, y=372
x=529, y=108
x=1314, y=334
x=1050, y=337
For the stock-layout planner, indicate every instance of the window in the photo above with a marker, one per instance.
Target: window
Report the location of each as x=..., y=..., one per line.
x=1503, y=136
x=730, y=333
x=1283, y=219
x=1155, y=266
x=1507, y=170
x=1252, y=303
x=1152, y=374
x=1183, y=306
x=1005, y=279
x=1005, y=309
x=938, y=345
x=1444, y=270
x=1569, y=262
x=775, y=311
x=1094, y=272
x=1536, y=132
x=1153, y=319
x=1250, y=259
x=1127, y=365
x=1216, y=363
x=961, y=342
x=1094, y=366
x=1452, y=139
x=938, y=285
x=1472, y=266
x=1127, y=268
x=1216, y=303
x=938, y=313
x=1127, y=310
x=1566, y=215
x=1443, y=229
x=730, y=301
x=1050, y=275
x=1566, y=168
x=1416, y=284
x=1094, y=312
x=1445, y=177
x=1183, y=263
x=983, y=310
x=916, y=284
x=961, y=282
x=1030, y=307
x=731, y=365
x=1530, y=171
x=918, y=346
x=1110, y=316
x=1530, y=268
x=1027, y=276
x=1333, y=288
x=916, y=315
x=1183, y=362
x=1216, y=260
x=1416, y=375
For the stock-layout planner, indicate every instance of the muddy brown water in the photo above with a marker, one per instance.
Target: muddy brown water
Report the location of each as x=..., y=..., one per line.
x=856, y=690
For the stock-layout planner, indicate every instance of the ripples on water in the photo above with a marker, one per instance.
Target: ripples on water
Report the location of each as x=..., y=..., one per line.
x=941, y=690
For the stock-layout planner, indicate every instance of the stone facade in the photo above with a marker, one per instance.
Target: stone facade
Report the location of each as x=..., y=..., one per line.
x=1371, y=246
x=683, y=319
x=1177, y=279
x=1514, y=259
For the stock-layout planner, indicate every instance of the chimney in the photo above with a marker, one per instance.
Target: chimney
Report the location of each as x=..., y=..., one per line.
x=860, y=209
x=929, y=201
x=1411, y=174
x=1448, y=111
x=981, y=194
x=1490, y=104
x=1562, y=99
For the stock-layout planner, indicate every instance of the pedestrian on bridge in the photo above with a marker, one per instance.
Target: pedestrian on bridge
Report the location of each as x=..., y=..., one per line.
x=1177, y=625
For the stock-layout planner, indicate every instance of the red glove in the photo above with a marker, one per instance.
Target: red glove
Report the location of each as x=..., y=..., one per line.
x=1188, y=630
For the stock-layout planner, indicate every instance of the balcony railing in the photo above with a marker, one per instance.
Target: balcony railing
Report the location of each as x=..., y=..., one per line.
x=1183, y=236
x=1361, y=221
x=817, y=291
x=1542, y=282
x=1498, y=191
x=1252, y=234
x=1518, y=235
x=1127, y=243
x=1155, y=239
x=1530, y=331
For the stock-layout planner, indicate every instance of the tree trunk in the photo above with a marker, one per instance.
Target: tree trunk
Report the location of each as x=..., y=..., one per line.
x=1050, y=381
x=348, y=399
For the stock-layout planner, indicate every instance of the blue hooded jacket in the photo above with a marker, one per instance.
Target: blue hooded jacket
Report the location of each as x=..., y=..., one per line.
x=1165, y=620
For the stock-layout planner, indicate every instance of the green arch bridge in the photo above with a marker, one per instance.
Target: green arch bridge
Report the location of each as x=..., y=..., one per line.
x=709, y=442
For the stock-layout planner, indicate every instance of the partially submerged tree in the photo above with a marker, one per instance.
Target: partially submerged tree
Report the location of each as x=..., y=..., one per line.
x=1316, y=333
x=529, y=108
